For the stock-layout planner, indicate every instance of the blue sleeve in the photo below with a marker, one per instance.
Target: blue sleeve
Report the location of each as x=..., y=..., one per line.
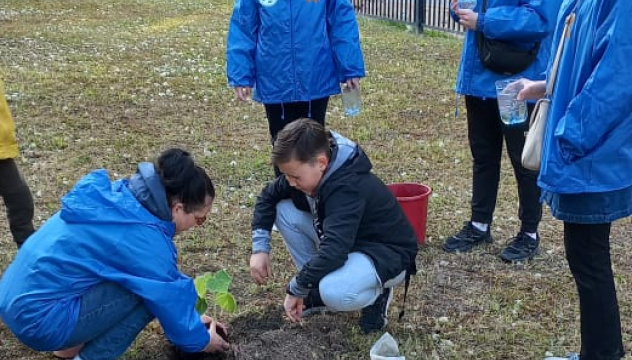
x=345, y=39
x=148, y=268
x=241, y=45
x=530, y=21
x=605, y=100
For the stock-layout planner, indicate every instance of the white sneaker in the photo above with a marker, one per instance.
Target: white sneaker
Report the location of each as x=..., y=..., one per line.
x=571, y=356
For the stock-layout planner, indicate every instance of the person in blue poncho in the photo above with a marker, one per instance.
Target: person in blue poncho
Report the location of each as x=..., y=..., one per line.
x=294, y=54
x=100, y=269
x=586, y=167
x=520, y=24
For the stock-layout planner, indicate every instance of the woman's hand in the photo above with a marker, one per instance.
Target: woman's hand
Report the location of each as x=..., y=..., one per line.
x=293, y=307
x=531, y=90
x=218, y=342
x=260, y=268
x=467, y=18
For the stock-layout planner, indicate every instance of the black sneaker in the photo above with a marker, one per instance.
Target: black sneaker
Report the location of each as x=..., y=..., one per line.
x=467, y=238
x=313, y=304
x=375, y=317
x=521, y=248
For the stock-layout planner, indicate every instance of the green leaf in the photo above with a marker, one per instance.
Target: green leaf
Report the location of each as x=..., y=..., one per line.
x=200, y=285
x=201, y=305
x=226, y=302
x=219, y=282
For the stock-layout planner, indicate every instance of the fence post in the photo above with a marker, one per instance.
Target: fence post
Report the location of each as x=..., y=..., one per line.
x=420, y=20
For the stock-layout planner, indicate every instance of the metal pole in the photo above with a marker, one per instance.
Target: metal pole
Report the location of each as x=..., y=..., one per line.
x=420, y=19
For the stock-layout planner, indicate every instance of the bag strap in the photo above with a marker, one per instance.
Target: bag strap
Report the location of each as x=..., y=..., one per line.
x=480, y=36
x=570, y=19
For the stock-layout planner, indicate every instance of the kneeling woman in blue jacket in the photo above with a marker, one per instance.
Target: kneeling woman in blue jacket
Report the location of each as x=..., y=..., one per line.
x=97, y=272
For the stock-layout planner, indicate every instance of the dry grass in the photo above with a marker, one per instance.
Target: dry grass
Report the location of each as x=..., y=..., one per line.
x=108, y=84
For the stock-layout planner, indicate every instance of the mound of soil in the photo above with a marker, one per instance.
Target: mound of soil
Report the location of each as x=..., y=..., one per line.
x=268, y=336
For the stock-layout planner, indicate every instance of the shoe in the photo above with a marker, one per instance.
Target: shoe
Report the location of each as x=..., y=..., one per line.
x=521, y=248
x=571, y=356
x=313, y=304
x=466, y=239
x=375, y=317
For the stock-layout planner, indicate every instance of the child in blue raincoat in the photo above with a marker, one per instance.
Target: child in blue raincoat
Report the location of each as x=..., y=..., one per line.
x=99, y=270
x=586, y=167
x=294, y=54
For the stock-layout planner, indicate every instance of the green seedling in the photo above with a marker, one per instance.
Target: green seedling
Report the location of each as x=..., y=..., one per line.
x=217, y=285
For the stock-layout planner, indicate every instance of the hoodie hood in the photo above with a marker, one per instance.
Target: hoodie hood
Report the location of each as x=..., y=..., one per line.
x=345, y=152
x=149, y=191
x=95, y=199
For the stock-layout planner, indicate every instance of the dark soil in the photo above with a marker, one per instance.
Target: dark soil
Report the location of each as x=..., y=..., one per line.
x=269, y=336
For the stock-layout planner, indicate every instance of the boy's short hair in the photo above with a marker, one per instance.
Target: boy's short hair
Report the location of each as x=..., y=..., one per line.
x=302, y=140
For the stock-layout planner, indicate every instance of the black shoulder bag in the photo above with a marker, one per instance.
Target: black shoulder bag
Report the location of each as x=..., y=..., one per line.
x=502, y=57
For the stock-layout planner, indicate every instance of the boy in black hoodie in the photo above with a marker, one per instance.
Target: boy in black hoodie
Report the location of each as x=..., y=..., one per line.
x=345, y=231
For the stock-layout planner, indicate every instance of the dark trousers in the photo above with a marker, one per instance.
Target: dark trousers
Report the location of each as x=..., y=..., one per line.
x=486, y=133
x=18, y=201
x=280, y=115
x=588, y=254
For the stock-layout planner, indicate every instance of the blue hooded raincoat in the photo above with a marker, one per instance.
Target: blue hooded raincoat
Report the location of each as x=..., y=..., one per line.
x=588, y=142
x=106, y=231
x=293, y=50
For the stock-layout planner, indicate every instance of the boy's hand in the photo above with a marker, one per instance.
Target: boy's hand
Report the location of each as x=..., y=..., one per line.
x=243, y=93
x=260, y=268
x=293, y=307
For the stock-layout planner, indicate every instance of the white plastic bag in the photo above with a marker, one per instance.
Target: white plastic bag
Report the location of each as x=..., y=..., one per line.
x=385, y=349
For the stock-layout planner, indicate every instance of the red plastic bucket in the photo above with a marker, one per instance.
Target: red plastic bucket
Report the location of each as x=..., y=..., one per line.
x=413, y=198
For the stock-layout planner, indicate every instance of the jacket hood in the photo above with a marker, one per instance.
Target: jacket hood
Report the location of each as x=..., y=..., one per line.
x=149, y=191
x=345, y=155
x=95, y=199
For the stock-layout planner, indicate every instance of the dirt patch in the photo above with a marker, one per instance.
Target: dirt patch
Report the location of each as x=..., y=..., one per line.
x=269, y=336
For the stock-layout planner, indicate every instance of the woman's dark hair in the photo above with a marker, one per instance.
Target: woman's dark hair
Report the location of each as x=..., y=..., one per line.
x=302, y=140
x=184, y=181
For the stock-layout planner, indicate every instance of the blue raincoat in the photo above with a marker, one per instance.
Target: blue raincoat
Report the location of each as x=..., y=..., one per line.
x=293, y=50
x=588, y=140
x=519, y=22
x=101, y=234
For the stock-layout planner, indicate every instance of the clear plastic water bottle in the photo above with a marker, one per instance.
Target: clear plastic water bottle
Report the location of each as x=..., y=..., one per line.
x=467, y=4
x=351, y=100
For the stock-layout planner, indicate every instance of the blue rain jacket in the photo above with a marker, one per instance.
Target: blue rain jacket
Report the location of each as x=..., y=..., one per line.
x=293, y=50
x=101, y=234
x=519, y=22
x=588, y=140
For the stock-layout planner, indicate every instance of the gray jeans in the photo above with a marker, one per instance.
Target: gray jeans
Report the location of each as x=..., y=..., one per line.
x=351, y=287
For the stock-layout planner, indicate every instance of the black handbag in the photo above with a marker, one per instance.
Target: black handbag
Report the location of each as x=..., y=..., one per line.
x=502, y=57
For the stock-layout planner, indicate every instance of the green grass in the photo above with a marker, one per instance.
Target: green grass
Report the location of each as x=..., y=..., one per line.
x=96, y=84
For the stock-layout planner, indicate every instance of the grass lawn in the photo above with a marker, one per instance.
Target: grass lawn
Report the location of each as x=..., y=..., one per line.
x=109, y=84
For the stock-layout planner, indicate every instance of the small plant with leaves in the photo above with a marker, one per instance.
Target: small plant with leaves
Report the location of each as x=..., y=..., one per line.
x=217, y=284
